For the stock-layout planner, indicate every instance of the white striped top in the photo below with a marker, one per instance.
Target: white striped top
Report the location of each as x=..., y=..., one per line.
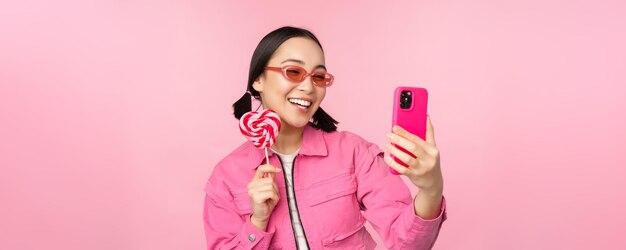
x=287, y=161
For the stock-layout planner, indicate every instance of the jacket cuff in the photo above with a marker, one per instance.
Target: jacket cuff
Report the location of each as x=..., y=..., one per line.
x=417, y=224
x=252, y=237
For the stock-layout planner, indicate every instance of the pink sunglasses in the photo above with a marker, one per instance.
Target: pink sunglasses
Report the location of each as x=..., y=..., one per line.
x=298, y=74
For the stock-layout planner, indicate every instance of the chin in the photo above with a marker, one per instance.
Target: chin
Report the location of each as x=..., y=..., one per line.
x=300, y=123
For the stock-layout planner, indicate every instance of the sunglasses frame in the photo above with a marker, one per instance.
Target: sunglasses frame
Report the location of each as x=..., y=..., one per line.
x=284, y=69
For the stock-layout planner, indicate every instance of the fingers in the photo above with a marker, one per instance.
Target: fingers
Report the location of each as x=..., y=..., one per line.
x=430, y=131
x=266, y=188
x=272, y=195
x=262, y=184
x=413, y=143
x=407, y=145
x=261, y=170
x=393, y=164
x=408, y=135
x=266, y=184
x=261, y=197
x=260, y=189
x=403, y=156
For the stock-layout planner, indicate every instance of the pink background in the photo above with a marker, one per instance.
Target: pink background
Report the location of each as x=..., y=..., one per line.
x=113, y=113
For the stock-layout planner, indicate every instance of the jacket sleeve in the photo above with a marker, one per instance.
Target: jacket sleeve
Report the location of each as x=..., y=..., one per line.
x=388, y=205
x=224, y=227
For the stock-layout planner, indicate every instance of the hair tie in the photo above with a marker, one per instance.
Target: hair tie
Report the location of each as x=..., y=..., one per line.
x=253, y=96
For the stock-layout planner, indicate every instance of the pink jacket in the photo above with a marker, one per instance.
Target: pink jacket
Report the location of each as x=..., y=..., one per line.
x=340, y=180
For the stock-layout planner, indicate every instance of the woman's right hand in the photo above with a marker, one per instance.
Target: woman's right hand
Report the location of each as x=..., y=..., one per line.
x=263, y=193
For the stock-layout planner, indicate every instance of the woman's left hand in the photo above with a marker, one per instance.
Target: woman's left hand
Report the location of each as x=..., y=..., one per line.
x=423, y=170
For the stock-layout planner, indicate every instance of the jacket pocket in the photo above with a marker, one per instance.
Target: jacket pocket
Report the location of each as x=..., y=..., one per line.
x=332, y=188
x=357, y=238
x=341, y=236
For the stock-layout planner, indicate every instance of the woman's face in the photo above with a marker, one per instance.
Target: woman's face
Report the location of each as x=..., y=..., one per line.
x=277, y=92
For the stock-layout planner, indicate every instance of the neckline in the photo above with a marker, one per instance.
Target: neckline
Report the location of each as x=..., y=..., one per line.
x=281, y=154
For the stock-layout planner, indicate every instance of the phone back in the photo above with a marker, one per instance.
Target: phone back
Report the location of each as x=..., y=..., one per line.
x=413, y=117
x=409, y=112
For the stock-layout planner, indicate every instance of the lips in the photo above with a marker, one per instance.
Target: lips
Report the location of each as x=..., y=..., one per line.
x=301, y=98
x=299, y=108
x=301, y=102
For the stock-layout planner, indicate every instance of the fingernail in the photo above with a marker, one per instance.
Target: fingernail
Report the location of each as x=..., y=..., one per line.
x=395, y=129
x=390, y=136
x=388, y=146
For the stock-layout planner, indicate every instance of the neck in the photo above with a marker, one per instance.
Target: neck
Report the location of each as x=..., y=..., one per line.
x=289, y=139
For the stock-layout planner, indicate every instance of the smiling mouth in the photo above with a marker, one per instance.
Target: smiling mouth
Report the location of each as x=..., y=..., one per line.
x=302, y=104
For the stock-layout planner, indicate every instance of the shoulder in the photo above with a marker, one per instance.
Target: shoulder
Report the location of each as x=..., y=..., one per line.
x=352, y=142
x=226, y=169
x=347, y=138
x=236, y=157
x=353, y=149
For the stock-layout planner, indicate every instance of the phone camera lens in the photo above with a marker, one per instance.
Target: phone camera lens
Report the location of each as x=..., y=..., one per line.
x=405, y=99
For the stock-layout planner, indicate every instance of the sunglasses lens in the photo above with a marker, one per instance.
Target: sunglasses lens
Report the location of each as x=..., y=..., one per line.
x=294, y=74
x=298, y=74
x=321, y=79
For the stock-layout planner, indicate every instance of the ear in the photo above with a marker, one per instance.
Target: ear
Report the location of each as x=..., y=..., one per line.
x=257, y=85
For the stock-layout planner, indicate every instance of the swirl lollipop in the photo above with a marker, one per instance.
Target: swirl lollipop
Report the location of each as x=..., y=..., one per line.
x=260, y=128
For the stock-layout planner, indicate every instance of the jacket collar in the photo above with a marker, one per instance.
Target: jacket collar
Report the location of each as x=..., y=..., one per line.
x=313, y=143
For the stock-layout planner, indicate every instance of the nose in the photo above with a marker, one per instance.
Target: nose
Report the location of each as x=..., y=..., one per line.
x=306, y=85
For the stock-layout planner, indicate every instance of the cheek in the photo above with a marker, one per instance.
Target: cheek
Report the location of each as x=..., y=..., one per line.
x=278, y=86
x=283, y=86
x=321, y=94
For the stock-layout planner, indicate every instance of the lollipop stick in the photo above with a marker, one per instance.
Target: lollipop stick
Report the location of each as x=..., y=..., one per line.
x=267, y=161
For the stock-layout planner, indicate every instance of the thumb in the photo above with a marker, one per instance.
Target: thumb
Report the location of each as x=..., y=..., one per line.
x=430, y=131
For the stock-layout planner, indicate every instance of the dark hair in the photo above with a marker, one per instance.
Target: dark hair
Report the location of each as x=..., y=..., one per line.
x=261, y=57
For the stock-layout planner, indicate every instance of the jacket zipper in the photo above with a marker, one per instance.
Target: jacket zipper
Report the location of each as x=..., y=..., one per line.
x=293, y=167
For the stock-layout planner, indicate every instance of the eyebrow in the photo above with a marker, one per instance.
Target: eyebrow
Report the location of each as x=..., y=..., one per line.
x=302, y=62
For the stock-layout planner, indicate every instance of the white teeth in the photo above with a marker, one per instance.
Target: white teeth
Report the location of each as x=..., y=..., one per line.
x=300, y=102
